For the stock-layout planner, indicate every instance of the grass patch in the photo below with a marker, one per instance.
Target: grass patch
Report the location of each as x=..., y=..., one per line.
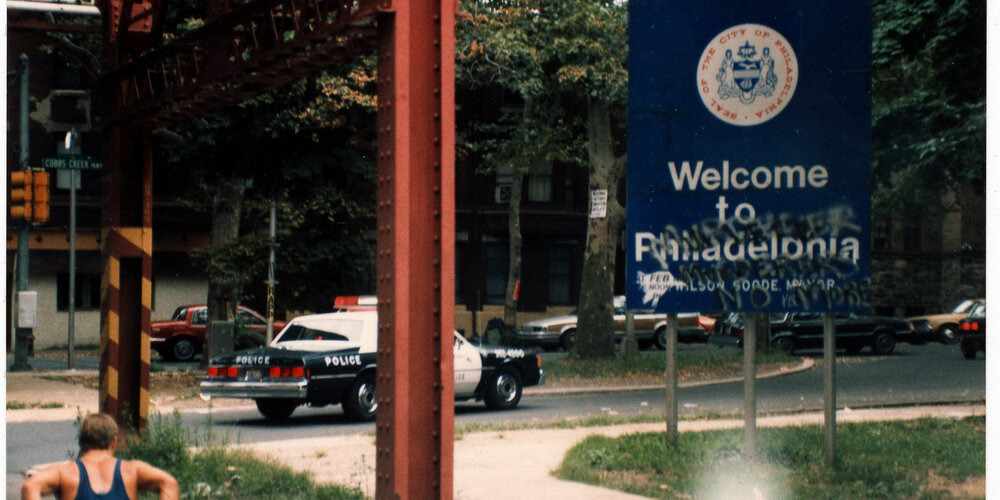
x=690, y=366
x=21, y=405
x=214, y=470
x=924, y=459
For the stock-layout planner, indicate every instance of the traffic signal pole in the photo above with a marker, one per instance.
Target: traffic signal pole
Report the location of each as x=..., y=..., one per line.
x=22, y=336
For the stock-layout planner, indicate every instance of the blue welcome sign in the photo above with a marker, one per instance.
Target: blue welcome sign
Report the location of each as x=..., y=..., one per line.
x=749, y=156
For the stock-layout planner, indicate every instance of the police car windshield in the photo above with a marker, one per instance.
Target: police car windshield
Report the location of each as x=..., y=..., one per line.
x=326, y=329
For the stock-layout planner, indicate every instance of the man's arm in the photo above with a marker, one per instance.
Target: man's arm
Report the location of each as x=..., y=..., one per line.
x=149, y=478
x=42, y=483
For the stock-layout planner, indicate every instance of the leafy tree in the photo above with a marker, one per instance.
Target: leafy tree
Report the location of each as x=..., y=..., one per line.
x=310, y=147
x=928, y=101
x=566, y=59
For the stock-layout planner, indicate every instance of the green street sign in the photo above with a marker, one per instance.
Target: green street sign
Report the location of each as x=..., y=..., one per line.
x=72, y=162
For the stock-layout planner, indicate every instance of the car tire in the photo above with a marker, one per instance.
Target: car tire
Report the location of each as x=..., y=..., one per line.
x=183, y=349
x=276, y=409
x=784, y=344
x=359, y=403
x=883, y=343
x=567, y=340
x=504, y=389
x=660, y=339
x=948, y=334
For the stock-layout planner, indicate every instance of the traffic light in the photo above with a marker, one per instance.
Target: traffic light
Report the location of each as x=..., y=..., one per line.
x=40, y=198
x=20, y=195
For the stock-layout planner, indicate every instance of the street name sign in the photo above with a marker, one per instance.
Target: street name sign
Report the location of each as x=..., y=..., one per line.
x=72, y=162
x=749, y=156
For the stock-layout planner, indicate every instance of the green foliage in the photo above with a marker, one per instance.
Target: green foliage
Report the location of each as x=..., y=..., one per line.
x=552, y=55
x=309, y=146
x=928, y=101
x=206, y=467
x=876, y=460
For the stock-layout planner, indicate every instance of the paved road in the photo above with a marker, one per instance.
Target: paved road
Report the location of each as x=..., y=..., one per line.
x=913, y=374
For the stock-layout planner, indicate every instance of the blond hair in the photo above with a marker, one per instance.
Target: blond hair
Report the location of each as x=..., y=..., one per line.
x=97, y=431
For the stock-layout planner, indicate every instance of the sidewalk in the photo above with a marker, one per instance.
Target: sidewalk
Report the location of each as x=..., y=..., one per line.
x=488, y=465
x=518, y=464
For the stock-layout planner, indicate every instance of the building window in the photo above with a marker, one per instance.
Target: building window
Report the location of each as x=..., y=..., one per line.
x=496, y=273
x=559, y=274
x=911, y=238
x=88, y=292
x=540, y=183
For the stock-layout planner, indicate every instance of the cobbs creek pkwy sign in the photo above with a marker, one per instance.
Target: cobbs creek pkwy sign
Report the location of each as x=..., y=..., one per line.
x=749, y=156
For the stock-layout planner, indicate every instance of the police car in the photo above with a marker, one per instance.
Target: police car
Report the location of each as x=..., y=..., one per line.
x=325, y=359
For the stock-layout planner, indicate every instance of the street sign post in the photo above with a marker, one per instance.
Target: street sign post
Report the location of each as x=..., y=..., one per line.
x=749, y=156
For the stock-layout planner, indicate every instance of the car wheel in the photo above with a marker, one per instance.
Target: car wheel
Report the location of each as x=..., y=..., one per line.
x=183, y=349
x=947, y=334
x=567, y=340
x=504, y=390
x=883, y=343
x=276, y=409
x=660, y=339
x=360, y=402
x=784, y=344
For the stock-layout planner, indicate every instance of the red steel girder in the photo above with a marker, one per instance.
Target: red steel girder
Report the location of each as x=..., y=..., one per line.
x=241, y=54
x=416, y=251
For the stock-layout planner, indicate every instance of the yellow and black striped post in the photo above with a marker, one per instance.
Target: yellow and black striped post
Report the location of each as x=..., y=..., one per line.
x=127, y=283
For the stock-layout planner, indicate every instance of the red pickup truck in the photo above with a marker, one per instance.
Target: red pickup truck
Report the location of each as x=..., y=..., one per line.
x=183, y=335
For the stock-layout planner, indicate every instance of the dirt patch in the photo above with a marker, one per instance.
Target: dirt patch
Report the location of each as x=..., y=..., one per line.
x=173, y=385
x=972, y=487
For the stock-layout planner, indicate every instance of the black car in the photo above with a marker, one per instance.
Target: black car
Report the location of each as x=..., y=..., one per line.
x=972, y=332
x=794, y=331
x=325, y=359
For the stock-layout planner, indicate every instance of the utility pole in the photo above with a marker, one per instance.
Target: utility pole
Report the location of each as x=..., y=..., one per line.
x=22, y=336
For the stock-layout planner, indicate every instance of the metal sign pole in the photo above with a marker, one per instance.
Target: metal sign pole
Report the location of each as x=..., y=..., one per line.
x=750, y=385
x=71, y=341
x=829, y=388
x=672, y=417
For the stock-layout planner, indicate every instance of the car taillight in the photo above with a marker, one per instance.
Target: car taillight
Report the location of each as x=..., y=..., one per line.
x=232, y=371
x=213, y=371
x=286, y=372
x=970, y=326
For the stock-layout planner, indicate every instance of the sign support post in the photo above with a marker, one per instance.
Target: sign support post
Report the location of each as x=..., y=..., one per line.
x=750, y=385
x=671, y=351
x=829, y=389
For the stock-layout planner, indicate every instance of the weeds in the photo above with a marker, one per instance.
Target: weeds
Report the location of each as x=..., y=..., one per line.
x=207, y=467
x=21, y=405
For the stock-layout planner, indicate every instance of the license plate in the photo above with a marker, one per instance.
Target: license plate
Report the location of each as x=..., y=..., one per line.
x=253, y=374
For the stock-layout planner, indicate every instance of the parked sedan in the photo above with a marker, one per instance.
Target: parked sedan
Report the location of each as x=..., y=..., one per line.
x=794, y=331
x=650, y=329
x=183, y=336
x=972, y=332
x=944, y=327
x=325, y=359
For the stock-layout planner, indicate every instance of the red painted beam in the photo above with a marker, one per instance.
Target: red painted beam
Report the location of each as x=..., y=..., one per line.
x=415, y=419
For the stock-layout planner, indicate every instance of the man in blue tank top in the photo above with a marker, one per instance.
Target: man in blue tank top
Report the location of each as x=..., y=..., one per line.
x=97, y=474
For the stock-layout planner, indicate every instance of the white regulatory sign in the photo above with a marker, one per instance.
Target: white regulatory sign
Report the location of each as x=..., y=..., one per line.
x=598, y=203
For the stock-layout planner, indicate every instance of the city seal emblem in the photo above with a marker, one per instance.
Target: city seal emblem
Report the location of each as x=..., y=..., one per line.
x=747, y=74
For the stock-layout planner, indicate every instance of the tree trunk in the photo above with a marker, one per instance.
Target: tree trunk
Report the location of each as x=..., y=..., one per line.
x=222, y=293
x=595, y=323
x=514, y=253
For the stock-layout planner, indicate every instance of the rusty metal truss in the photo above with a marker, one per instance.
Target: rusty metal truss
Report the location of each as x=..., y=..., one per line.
x=243, y=53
